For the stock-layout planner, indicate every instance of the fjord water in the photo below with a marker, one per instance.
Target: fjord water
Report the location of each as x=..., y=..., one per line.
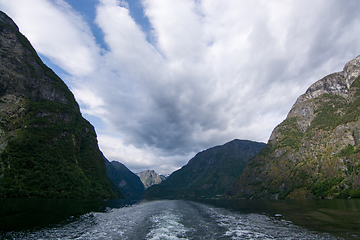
x=179, y=219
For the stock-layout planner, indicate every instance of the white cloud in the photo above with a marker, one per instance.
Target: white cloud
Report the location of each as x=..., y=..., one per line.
x=91, y=103
x=56, y=31
x=213, y=71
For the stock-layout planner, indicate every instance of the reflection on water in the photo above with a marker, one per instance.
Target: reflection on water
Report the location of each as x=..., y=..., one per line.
x=23, y=213
x=205, y=219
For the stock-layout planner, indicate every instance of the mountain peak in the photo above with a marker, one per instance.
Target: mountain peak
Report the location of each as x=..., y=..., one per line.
x=209, y=173
x=338, y=84
x=150, y=177
x=5, y=19
x=315, y=151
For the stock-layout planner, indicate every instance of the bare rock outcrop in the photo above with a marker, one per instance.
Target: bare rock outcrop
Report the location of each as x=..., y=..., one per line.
x=315, y=151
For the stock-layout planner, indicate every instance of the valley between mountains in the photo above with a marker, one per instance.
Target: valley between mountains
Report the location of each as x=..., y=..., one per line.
x=48, y=150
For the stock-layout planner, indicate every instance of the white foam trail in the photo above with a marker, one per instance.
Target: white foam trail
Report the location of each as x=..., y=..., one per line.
x=172, y=220
x=167, y=226
x=257, y=226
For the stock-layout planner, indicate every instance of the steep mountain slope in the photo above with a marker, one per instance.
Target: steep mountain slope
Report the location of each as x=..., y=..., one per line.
x=46, y=148
x=209, y=173
x=127, y=181
x=315, y=151
x=150, y=177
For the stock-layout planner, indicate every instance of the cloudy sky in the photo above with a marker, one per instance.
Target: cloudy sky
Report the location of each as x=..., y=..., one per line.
x=164, y=79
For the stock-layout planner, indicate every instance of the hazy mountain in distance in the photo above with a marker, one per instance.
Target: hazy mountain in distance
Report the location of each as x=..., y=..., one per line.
x=150, y=177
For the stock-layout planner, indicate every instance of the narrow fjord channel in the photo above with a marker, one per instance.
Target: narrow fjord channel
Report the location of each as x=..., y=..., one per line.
x=180, y=219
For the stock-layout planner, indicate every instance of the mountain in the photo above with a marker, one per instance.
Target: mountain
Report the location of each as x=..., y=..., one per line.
x=315, y=151
x=150, y=177
x=127, y=181
x=47, y=149
x=209, y=173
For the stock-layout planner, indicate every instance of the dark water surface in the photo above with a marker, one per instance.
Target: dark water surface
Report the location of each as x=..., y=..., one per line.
x=179, y=219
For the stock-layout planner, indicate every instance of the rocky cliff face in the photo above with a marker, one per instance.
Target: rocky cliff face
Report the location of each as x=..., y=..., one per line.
x=209, y=173
x=150, y=177
x=46, y=148
x=315, y=151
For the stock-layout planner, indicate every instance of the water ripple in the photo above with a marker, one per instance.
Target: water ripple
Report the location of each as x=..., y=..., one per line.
x=171, y=220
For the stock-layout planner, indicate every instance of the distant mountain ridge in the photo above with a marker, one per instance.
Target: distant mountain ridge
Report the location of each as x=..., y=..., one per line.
x=150, y=177
x=47, y=149
x=209, y=173
x=315, y=151
x=127, y=181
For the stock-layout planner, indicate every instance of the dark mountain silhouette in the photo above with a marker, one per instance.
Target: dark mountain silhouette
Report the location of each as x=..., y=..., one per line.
x=127, y=181
x=209, y=173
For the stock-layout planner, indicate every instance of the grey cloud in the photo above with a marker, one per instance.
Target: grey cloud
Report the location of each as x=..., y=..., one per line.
x=180, y=105
x=213, y=73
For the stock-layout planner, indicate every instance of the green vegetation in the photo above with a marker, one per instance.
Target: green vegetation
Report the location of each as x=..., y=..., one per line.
x=354, y=193
x=290, y=135
x=119, y=174
x=319, y=189
x=52, y=157
x=208, y=174
x=347, y=151
x=48, y=150
x=291, y=139
x=326, y=115
x=355, y=86
x=326, y=187
x=311, y=163
x=267, y=150
x=353, y=109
